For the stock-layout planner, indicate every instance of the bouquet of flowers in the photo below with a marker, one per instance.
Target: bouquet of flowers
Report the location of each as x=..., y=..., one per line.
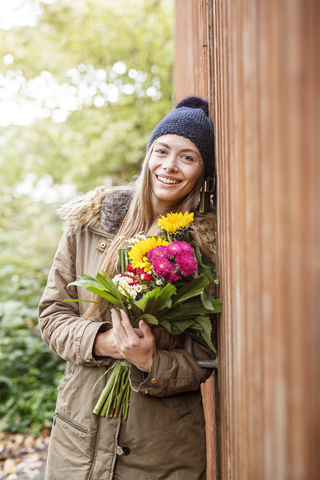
x=162, y=281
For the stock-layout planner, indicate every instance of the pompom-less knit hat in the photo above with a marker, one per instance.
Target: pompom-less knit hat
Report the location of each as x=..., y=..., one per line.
x=190, y=120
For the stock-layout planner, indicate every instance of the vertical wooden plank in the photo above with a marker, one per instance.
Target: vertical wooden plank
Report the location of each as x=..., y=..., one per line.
x=191, y=78
x=264, y=87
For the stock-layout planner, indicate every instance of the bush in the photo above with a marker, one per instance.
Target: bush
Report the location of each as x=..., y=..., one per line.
x=29, y=371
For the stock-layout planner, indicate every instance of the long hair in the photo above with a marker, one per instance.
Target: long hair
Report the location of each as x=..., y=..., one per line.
x=140, y=218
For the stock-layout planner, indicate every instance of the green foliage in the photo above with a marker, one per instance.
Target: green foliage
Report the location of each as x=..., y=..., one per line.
x=93, y=146
x=173, y=309
x=29, y=372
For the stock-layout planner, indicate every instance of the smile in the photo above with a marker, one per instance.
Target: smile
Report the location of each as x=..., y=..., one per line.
x=167, y=180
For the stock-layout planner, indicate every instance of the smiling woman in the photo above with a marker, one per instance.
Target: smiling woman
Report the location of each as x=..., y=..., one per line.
x=165, y=419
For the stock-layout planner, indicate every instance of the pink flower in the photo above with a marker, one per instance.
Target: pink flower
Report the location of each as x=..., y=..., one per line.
x=173, y=277
x=187, y=264
x=174, y=248
x=159, y=251
x=186, y=248
x=178, y=248
x=162, y=266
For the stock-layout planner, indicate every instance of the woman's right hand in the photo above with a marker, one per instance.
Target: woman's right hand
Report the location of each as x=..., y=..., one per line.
x=105, y=345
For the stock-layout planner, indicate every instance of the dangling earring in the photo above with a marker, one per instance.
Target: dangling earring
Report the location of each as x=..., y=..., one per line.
x=206, y=191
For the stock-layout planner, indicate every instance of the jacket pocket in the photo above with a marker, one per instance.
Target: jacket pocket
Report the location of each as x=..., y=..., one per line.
x=69, y=421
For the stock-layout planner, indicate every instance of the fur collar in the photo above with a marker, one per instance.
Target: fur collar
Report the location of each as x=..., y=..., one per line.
x=98, y=208
x=106, y=209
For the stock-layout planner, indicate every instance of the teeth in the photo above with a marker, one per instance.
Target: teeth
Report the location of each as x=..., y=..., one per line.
x=168, y=180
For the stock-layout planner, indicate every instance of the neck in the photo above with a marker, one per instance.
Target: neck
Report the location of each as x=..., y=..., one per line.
x=161, y=207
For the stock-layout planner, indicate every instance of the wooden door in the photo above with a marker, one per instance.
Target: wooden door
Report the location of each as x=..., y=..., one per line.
x=258, y=63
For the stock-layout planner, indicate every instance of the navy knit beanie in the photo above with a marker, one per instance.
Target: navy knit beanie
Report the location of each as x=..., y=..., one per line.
x=190, y=120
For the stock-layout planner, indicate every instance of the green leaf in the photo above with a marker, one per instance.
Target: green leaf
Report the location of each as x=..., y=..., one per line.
x=155, y=300
x=149, y=319
x=166, y=326
x=196, y=335
x=78, y=300
x=217, y=305
x=205, y=266
x=85, y=281
x=104, y=278
x=192, y=289
x=206, y=332
x=187, y=310
x=164, y=297
x=106, y=295
x=168, y=303
x=134, y=312
x=206, y=299
x=180, y=327
x=147, y=298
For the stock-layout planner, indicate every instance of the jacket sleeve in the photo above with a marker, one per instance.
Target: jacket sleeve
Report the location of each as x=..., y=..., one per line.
x=63, y=330
x=172, y=372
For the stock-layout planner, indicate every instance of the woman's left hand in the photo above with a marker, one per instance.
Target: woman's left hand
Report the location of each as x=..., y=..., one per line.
x=137, y=350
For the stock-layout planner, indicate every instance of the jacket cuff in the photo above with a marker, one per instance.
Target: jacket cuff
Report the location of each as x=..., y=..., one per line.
x=171, y=372
x=85, y=347
x=150, y=384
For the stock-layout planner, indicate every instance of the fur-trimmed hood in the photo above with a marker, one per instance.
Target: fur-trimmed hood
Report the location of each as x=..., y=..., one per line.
x=106, y=209
x=99, y=208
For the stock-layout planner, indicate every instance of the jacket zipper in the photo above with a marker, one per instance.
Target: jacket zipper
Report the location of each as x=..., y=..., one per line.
x=70, y=421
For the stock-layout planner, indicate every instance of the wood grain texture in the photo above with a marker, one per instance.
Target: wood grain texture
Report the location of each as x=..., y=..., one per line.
x=263, y=79
x=191, y=78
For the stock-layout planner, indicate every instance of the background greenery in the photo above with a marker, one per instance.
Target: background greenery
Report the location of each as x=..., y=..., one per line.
x=82, y=88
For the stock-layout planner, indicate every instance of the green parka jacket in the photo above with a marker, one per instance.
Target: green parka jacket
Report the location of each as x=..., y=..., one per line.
x=164, y=434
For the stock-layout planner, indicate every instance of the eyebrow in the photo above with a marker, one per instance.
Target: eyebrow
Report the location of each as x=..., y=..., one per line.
x=184, y=150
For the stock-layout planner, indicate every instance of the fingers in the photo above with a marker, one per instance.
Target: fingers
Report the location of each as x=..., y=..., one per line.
x=125, y=336
x=135, y=345
x=146, y=330
x=119, y=332
x=138, y=332
x=128, y=326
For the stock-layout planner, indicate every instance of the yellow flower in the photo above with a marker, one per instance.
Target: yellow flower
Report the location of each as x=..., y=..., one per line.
x=138, y=253
x=173, y=221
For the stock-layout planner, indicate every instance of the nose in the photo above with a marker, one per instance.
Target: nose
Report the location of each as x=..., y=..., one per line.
x=170, y=164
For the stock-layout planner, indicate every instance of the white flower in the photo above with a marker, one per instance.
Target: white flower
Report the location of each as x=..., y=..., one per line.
x=159, y=282
x=129, y=307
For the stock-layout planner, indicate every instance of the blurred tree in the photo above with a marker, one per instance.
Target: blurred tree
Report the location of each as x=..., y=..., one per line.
x=95, y=51
x=80, y=92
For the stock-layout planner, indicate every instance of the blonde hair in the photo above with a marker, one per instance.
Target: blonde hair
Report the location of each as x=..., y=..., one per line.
x=140, y=218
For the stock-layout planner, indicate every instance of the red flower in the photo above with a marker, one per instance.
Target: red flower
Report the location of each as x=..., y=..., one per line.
x=131, y=269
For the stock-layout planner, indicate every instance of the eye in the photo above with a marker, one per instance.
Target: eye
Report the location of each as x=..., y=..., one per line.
x=161, y=151
x=187, y=157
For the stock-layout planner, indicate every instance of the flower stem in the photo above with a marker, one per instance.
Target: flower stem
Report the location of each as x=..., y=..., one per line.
x=106, y=390
x=125, y=376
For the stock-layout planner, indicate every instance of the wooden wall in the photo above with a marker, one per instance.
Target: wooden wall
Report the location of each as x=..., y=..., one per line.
x=258, y=63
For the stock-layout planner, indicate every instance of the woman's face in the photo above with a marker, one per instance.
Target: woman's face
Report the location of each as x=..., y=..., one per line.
x=175, y=166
